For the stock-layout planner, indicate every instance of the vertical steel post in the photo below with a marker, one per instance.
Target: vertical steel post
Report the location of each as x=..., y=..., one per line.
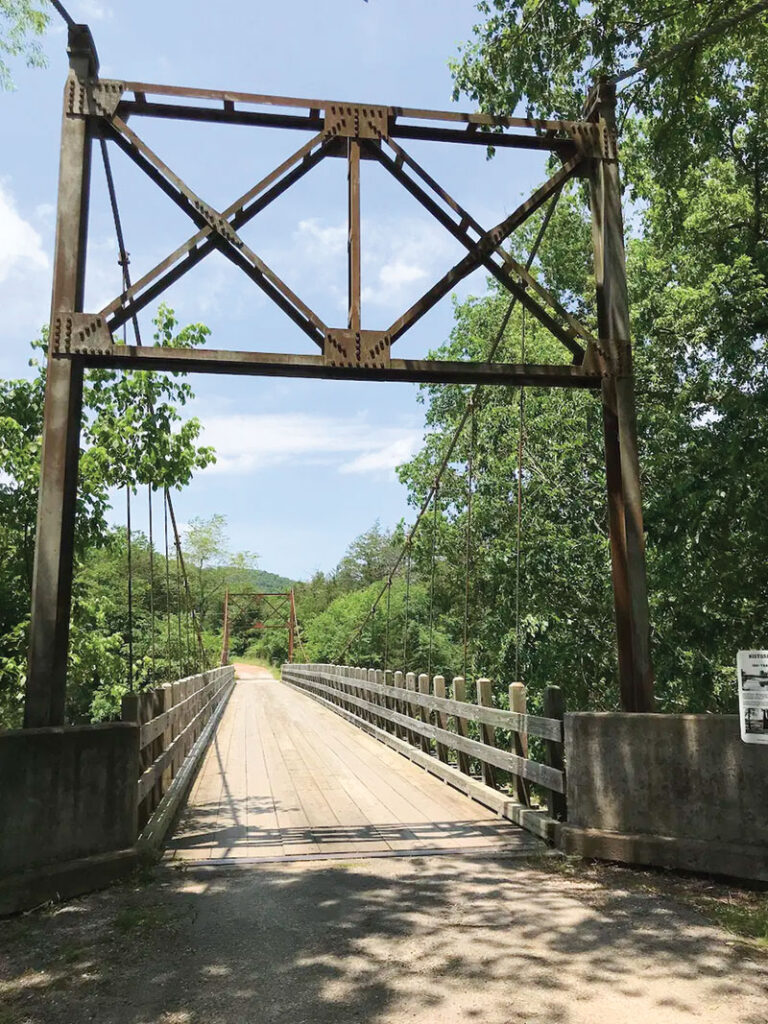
x=291, y=626
x=54, y=546
x=225, y=638
x=620, y=424
x=353, y=239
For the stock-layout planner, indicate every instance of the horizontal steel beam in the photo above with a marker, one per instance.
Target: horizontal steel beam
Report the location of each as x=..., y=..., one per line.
x=278, y=364
x=229, y=98
x=314, y=122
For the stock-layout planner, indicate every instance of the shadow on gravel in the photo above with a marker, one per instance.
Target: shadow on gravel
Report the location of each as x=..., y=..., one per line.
x=419, y=940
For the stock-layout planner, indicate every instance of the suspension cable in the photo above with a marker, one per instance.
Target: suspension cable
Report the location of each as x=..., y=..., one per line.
x=453, y=441
x=386, y=634
x=180, y=556
x=167, y=577
x=182, y=670
x=130, y=585
x=151, y=585
x=61, y=9
x=432, y=579
x=190, y=660
x=124, y=262
x=468, y=536
x=520, y=452
x=407, y=603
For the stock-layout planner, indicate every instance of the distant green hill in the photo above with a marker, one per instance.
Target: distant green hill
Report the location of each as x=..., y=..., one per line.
x=258, y=579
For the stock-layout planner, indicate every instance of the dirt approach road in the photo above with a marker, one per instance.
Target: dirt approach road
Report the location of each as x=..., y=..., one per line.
x=431, y=940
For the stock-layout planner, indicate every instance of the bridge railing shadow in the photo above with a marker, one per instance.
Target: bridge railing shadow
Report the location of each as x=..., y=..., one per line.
x=422, y=940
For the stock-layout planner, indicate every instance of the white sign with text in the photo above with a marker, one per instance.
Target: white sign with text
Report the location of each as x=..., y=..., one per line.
x=752, y=679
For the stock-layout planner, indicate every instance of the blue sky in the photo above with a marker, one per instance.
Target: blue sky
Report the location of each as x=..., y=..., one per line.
x=304, y=466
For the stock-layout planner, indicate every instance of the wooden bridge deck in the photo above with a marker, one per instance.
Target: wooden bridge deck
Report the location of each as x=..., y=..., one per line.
x=286, y=778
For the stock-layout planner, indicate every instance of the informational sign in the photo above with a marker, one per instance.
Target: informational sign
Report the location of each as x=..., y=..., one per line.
x=752, y=678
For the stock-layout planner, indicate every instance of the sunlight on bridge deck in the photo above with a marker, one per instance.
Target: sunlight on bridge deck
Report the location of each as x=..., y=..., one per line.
x=286, y=778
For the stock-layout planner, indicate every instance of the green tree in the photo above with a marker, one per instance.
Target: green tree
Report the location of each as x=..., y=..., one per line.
x=133, y=434
x=21, y=21
x=694, y=158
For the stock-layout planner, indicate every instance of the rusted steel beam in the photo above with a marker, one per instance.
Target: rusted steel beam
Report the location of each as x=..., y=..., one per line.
x=542, y=143
x=143, y=89
x=628, y=545
x=195, y=255
x=618, y=543
x=565, y=146
x=279, y=364
x=45, y=693
x=508, y=264
x=225, y=238
x=218, y=115
x=488, y=243
x=353, y=237
x=237, y=213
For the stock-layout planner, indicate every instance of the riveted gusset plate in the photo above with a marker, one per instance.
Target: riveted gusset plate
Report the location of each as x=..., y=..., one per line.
x=354, y=121
x=367, y=349
x=99, y=98
x=594, y=140
x=80, y=334
x=214, y=220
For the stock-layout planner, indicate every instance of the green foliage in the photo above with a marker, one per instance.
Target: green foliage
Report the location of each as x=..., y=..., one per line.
x=133, y=434
x=694, y=156
x=20, y=22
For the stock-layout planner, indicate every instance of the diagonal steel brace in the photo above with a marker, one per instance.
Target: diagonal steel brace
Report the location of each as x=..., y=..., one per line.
x=226, y=238
x=502, y=273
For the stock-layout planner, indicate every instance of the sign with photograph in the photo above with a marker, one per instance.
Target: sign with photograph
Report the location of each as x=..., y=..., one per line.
x=752, y=678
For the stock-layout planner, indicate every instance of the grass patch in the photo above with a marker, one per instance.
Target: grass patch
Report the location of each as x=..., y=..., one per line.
x=748, y=920
x=134, y=919
x=739, y=909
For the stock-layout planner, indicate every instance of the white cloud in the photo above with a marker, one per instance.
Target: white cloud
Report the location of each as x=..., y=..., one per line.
x=246, y=442
x=401, y=256
x=385, y=459
x=320, y=242
x=21, y=247
x=25, y=273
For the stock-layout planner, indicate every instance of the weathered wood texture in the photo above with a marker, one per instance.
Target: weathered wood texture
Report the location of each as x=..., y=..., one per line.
x=287, y=777
x=413, y=728
x=171, y=718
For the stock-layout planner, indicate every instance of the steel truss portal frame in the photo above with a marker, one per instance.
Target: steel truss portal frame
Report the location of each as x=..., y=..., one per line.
x=276, y=610
x=98, y=108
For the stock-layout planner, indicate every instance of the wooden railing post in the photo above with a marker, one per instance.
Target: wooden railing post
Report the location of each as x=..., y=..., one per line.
x=441, y=717
x=487, y=732
x=554, y=707
x=388, y=681
x=373, y=697
x=399, y=706
x=362, y=674
x=164, y=704
x=462, y=727
x=423, y=714
x=518, y=702
x=378, y=677
x=176, y=690
x=410, y=710
x=346, y=674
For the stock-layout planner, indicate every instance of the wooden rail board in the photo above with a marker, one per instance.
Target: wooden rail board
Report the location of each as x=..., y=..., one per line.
x=287, y=778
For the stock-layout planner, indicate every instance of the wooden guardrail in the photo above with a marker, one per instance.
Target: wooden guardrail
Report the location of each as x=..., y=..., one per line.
x=450, y=736
x=171, y=718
